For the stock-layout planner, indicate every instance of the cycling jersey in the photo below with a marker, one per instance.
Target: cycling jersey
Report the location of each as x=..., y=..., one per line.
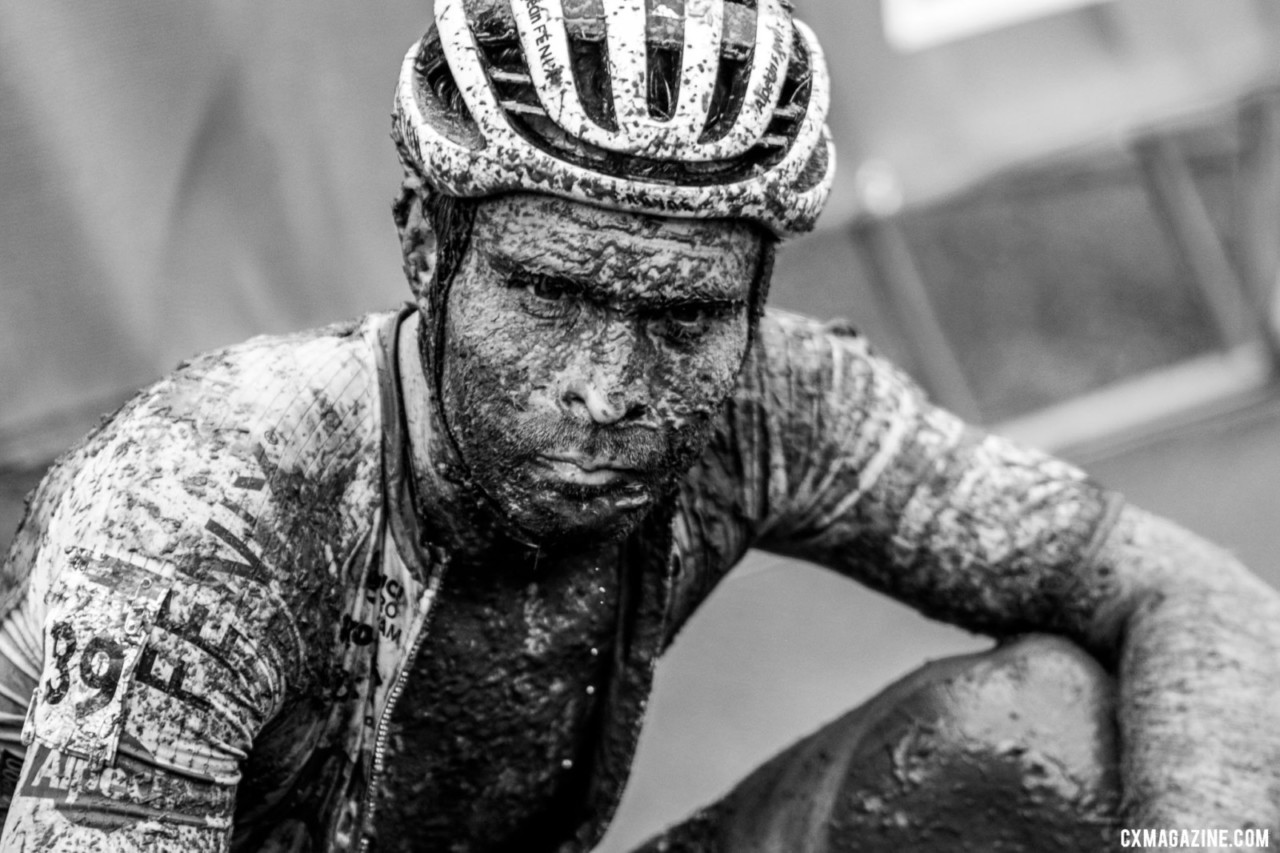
x=213, y=603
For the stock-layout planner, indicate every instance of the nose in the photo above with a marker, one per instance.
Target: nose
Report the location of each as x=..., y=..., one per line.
x=584, y=397
x=604, y=383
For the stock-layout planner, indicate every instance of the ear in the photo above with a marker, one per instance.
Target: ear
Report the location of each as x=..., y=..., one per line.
x=417, y=238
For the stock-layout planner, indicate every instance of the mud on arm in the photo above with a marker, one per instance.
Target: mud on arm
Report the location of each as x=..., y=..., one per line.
x=153, y=686
x=1198, y=643
x=868, y=478
x=153, y=677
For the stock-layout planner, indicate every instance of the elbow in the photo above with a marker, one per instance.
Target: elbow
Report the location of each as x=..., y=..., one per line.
x=1150, y=569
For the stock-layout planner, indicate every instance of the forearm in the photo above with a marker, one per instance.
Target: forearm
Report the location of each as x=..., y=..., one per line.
x=1198, y=644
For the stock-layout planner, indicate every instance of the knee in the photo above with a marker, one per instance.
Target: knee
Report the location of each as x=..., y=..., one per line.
x=1012, y=749
x=1009, y=749
x=1041, y=693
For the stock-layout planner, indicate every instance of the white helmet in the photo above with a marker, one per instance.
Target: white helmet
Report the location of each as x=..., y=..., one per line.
x=690, y=108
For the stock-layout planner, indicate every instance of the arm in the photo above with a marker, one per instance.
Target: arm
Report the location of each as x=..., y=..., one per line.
x=868, y=478
x=152, y=686
x=148, y=678
x=63, y=803
x=135, y=733
x=1197, y=639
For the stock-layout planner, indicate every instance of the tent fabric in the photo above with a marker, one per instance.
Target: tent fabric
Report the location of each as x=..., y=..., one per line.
x=177, y=176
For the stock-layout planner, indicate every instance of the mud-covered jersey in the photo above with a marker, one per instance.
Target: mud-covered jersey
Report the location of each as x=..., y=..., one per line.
x=213, y=602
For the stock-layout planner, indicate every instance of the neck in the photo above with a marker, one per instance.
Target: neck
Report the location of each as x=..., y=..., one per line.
x=460, y=520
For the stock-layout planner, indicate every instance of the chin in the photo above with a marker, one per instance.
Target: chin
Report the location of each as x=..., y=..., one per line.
x=576, y=523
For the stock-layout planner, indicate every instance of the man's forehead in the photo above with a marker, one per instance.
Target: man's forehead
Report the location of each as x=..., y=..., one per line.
x=615, y=253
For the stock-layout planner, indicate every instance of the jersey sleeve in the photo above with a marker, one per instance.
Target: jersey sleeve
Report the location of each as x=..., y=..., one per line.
x=853, y=468
x=163, y=647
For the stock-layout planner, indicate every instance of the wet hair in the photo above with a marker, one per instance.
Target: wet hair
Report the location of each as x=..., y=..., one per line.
x=435, y=234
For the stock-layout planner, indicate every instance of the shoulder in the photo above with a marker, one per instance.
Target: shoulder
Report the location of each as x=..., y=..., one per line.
x=298, y=393
x=790, y=346
x=282, y=399
x=224, y=449
x=805, y=375
x=816, y=415
x=177, y=541
x=293, y=380
x=760, y=444
x=784, y=333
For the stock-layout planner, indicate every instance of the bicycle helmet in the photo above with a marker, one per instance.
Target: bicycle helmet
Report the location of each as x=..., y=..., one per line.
x=685, y=108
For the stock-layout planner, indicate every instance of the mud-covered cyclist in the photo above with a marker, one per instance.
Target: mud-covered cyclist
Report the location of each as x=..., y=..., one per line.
x=400, y=583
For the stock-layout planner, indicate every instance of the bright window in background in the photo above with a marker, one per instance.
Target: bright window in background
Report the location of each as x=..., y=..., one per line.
x=919, y=24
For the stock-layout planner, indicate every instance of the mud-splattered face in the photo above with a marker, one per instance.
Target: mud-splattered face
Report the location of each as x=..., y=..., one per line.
x=587, y=352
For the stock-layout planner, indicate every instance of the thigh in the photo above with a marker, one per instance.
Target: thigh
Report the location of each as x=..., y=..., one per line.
x=1008, y=750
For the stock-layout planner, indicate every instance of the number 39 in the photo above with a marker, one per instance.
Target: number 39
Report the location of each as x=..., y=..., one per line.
x=99, y=669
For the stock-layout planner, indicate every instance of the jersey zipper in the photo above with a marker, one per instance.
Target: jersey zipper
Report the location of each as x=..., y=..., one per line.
x=383, y=731
x=610, y=809
x=615, y=796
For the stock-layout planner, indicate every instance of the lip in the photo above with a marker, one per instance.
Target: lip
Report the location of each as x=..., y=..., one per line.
x=586, y=470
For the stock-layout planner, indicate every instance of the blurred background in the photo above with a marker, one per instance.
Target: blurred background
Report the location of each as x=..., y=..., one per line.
x=1062, y=216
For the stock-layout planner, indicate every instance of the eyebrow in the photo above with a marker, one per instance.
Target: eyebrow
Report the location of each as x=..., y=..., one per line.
x=694, y=292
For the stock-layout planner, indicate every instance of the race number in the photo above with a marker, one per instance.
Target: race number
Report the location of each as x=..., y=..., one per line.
x=100, y=615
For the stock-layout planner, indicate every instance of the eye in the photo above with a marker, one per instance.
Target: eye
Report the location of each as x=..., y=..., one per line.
x=689, y=315
x=543, y=296
x=545, y=288
x=685, y=323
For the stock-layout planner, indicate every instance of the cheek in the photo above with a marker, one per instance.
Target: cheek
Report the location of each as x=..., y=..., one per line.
x=693, y=383
x=492, y=354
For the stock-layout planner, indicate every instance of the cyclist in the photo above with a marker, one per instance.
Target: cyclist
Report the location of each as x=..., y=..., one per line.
x=401, y=583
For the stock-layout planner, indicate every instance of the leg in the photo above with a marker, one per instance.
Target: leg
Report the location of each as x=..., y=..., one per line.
x=1009, y=750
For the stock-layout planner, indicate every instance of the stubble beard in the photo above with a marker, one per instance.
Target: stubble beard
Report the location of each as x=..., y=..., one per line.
x=504, y=448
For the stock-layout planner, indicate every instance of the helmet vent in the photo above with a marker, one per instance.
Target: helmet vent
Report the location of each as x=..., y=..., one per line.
x=664, y=81
x=726, y=102
x=545, y=134
x=793, y=103
x=509, y=75
x=665, y=53
x=508, y=71
x=734, y=74
x=591, y=77
x=439, y=87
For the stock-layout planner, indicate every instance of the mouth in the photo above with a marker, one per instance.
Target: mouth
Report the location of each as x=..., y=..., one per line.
x=588, y=470
x=596, y=474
